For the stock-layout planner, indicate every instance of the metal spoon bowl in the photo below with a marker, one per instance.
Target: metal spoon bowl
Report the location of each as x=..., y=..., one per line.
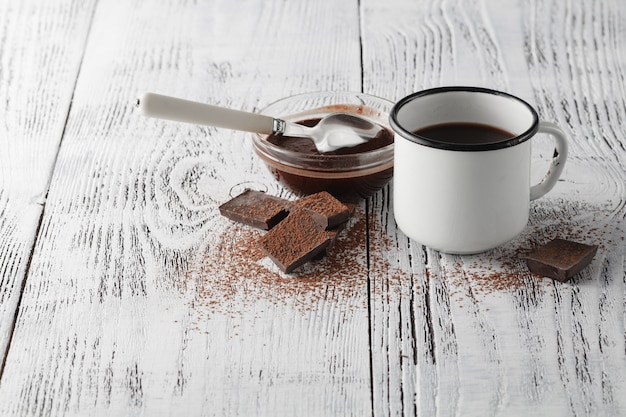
x=334, y=131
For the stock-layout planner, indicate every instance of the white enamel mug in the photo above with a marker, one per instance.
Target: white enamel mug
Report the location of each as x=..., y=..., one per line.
x=467, y=197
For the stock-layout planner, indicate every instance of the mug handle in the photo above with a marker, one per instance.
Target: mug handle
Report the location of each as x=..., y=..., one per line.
x=558, y=162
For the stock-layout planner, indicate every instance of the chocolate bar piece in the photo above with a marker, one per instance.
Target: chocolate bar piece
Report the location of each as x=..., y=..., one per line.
x=327, y=211
x=295, y=240
x=560, y=259
x=256, y=208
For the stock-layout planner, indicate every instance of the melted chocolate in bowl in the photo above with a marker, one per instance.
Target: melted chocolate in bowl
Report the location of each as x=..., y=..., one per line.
x=349, y=174
x=304, y=145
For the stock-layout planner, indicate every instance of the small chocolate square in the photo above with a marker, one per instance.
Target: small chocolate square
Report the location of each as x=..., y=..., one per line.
x=256, y=208
x=327, y=211
x=295, y=240
x=560, y=259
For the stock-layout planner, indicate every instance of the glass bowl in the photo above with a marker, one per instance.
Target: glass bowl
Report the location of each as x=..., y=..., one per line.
x=349, y=177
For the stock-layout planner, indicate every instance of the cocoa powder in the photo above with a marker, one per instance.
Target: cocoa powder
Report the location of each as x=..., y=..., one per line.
x=233, y=274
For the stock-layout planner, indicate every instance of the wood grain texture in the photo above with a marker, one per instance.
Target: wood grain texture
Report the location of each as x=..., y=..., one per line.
x=459, y=335
x=141, y=299
x=140, y=304
x=40, y=53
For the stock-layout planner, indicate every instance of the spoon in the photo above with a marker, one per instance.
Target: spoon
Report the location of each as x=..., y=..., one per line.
x=334, y=131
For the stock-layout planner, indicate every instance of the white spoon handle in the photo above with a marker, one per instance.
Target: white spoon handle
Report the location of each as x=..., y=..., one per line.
x=179, y=110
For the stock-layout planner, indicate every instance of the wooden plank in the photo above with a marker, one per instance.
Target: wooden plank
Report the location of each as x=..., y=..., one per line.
x=138, y=299
x=141, y=299
x=41, y=47
x=478, y=335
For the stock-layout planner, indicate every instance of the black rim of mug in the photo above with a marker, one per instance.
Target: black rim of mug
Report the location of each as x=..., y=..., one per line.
x=422, y=140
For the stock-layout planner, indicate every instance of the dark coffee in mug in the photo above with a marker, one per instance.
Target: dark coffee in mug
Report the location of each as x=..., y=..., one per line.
x=461, y=184
x=464, y=133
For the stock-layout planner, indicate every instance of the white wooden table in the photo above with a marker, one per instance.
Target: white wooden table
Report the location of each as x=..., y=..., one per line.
x=124, y=292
